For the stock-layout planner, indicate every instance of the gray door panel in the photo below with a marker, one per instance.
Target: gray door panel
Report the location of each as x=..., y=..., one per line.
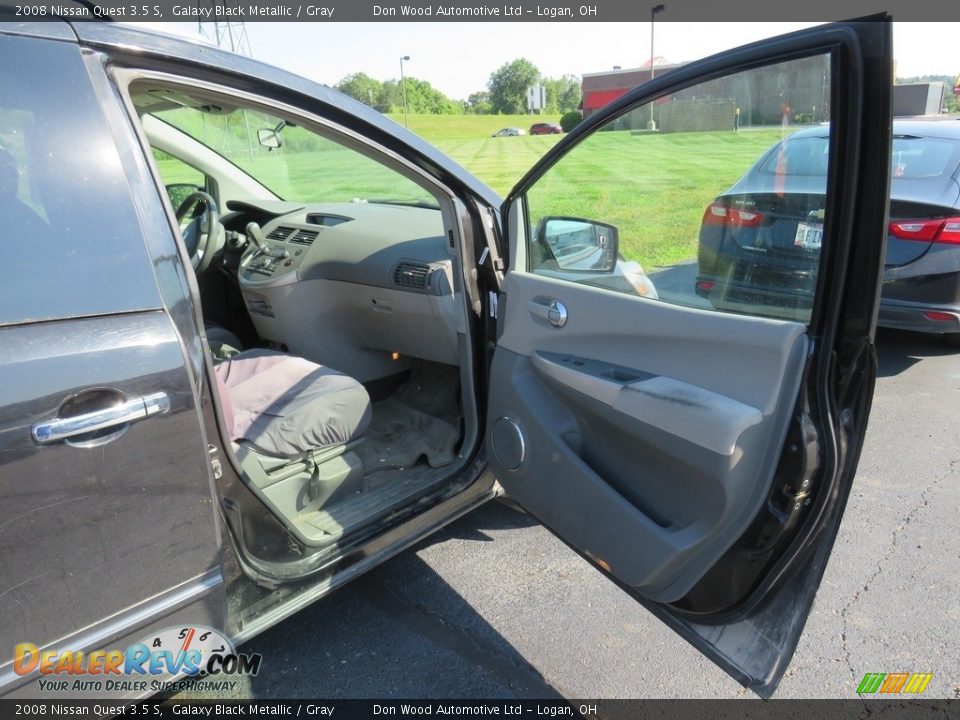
x=645, y=439
x=701, y=453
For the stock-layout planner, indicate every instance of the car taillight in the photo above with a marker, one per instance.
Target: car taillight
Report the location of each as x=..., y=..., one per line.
x=941, y=230
x=717, y=214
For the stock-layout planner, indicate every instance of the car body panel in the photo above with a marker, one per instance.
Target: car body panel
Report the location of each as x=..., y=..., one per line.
x=545, y=129
x=755, y=266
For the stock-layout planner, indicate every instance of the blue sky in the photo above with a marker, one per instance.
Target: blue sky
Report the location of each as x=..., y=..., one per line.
x=458, y=58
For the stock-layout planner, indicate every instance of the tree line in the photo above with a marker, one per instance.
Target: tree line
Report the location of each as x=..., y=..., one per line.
x=506, y=93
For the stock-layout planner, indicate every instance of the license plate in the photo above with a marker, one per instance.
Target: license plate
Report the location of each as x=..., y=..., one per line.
x=808, y=236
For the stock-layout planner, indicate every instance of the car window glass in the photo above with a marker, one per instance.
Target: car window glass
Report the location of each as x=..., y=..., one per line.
x=710, y=197
x=912, y=156
x=72, y=243
x=293, y=162
x=179, y=179
x=923, y=157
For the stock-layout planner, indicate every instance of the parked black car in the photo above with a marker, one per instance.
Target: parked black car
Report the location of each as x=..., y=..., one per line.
x=760, y=240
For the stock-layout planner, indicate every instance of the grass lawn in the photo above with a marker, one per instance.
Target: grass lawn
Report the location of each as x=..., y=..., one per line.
x=653, y=187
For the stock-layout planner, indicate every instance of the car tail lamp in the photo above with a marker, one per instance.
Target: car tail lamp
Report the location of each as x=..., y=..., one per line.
x=940, y=230
x=938, y=316
x=717, y=214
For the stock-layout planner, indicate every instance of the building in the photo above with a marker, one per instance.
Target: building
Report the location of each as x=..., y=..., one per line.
x=798, y=91
x=602, y=88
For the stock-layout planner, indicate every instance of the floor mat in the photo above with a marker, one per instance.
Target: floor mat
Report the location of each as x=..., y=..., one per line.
x=421, y=420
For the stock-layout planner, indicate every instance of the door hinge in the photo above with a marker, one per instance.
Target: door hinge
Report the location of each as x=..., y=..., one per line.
x=215, y=465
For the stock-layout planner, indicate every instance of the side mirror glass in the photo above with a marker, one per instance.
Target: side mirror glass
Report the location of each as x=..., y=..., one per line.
x=580, y=245
x=178, y=192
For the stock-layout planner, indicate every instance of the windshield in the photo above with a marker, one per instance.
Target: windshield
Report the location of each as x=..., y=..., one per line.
x=307, y=167
x=913, y=157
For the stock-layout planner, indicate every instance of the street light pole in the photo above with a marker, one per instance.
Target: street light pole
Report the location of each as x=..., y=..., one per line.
x=653, y=15
x=403, y=90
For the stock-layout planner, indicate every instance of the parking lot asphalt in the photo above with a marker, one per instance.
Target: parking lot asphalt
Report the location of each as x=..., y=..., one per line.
x=495, y=606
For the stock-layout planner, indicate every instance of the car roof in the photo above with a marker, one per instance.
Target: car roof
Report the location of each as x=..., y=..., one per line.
x=125, y=39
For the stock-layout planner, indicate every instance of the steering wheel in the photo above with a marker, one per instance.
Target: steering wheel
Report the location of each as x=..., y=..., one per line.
x=204, y=235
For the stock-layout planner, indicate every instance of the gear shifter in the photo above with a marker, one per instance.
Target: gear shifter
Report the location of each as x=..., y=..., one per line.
x=255, y=235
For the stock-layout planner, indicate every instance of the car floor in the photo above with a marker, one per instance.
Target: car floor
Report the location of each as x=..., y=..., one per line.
x=420, y=423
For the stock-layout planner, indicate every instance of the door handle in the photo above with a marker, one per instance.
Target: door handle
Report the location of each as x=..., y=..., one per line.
x=138, y=408
x=549, y=309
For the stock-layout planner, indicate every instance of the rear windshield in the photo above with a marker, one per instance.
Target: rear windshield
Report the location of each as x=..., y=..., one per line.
x=913, y=157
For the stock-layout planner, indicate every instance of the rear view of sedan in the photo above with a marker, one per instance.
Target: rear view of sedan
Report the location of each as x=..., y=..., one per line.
x=760, y=240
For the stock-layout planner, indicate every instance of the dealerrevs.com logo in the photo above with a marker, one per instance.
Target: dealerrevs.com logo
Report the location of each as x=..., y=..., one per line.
x=147, y=666
x=894, y=683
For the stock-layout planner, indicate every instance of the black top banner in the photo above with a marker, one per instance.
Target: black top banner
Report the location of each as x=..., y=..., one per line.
x=474, y=10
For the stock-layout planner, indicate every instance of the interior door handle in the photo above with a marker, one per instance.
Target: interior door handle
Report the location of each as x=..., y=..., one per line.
x=138, y=408
x=549, y=309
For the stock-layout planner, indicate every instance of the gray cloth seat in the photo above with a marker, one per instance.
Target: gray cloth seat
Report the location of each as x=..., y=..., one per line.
x=287, y=406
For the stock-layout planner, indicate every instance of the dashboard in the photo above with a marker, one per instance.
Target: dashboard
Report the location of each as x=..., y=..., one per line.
x=361, y=287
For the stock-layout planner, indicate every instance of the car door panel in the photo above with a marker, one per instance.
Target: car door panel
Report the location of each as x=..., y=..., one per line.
x=698, y=455
x=102, y=524
x=647, y=427
x=108, y=527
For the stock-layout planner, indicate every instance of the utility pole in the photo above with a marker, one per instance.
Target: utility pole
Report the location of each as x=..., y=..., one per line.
x=653, y=16
x=230, y=36
x=403, y=90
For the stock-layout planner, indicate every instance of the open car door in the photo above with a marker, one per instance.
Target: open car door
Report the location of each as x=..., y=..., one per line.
x=697, y=440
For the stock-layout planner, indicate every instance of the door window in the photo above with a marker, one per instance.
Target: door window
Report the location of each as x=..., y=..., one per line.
x=710, y=197
x=179, y=179
x=72, y=244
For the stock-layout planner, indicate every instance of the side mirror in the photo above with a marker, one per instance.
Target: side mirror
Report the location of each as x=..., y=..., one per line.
x=269, y=138
x=178, y=192
x=580, y=245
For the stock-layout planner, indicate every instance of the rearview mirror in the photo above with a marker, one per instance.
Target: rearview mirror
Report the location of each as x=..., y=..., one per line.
x=269, y=138
x=580, y=245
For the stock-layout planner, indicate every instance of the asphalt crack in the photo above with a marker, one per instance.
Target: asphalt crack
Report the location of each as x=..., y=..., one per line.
x=922, y=504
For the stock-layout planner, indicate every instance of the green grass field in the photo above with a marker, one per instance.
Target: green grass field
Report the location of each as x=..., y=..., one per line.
x=653, y=187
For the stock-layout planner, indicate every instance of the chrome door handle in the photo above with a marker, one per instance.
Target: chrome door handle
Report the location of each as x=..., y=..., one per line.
x=553, y=311
x=129, y=411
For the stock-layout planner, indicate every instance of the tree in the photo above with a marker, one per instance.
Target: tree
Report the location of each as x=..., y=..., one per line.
x=422, y=97
x=479, y=103
x=569, y=120
x=563, y=94
x=508, y=86
x=362, y=87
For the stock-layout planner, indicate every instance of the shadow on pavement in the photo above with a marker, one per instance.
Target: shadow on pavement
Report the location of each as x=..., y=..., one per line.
x=400, y=631
x=898, y=350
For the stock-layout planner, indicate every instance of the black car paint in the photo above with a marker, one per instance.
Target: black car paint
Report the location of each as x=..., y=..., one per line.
x=760, y=268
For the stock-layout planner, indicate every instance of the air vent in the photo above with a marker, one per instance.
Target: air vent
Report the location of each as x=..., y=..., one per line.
x=280, y=233
x=304, y=237
x=411, y=275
